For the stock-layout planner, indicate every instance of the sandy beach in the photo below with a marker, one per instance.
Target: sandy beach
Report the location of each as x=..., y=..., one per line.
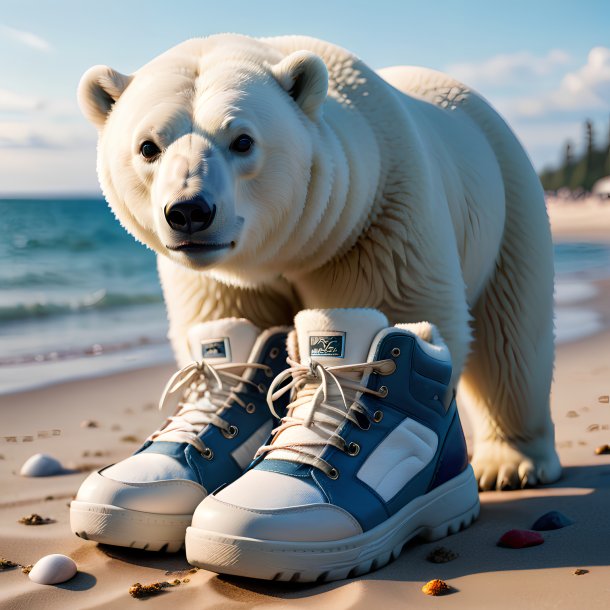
x=582, y=220
x=122, y=409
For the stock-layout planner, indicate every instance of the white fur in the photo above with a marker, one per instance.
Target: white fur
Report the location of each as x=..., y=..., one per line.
x=403, y=191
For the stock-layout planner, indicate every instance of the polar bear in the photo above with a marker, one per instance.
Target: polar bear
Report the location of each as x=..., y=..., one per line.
x=282, y=173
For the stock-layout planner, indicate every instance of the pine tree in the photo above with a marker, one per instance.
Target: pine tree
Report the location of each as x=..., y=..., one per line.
x=579, y=171
x=580, y=176
x=607, y=160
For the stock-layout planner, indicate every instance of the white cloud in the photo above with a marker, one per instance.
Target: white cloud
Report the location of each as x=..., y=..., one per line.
x=17, y=103
x=45, y=134
x=27, y=38
x=586, y=89
x=46, y=171
x=510, y=69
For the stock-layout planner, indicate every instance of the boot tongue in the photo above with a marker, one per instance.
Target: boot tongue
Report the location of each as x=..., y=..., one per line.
x=335, y=337
x=332, y=337
x=223, y=341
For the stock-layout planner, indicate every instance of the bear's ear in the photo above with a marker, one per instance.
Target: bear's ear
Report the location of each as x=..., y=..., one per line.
x=99, y=88
x=305, y=77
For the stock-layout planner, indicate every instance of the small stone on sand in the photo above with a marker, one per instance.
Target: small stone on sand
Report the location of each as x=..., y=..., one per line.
x=441, y=555
x=7, y=564
x=436, y=587
x=89, y=423
x=602, y=450
x=53, y=569
x=572, y=414
x=520, y=539
x=41, y=465
x=35, y=519
x=605, y=398
x=129, y=438
x=593, y=428
x=580, y=571
x=553, y=520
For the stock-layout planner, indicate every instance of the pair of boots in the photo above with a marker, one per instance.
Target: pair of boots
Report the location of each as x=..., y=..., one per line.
x=359, y=449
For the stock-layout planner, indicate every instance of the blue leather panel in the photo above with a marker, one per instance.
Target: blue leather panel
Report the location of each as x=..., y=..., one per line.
x=411, y=390
x=453, y=455
x=222, y=469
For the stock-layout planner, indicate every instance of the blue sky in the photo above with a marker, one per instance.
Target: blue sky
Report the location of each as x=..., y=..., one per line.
x=545, y=65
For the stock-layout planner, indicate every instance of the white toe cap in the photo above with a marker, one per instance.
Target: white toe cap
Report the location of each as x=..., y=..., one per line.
x=170, y=497
x=307, y=523
x=148, y=466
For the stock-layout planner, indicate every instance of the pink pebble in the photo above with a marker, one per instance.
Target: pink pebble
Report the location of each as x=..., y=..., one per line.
x=519, y=539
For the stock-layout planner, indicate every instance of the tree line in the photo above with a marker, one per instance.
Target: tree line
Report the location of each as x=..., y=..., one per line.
x=579, y=172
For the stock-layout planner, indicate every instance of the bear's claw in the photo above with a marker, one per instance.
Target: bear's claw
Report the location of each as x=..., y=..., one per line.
x=498, y=465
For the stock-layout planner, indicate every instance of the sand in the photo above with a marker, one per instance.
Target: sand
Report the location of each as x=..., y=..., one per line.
x=586, y=219
x=483, y=576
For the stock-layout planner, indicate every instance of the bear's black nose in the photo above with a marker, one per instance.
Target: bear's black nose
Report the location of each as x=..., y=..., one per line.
x=190, y=216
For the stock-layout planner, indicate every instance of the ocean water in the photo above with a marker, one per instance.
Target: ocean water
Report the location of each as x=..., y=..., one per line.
x=80, y=297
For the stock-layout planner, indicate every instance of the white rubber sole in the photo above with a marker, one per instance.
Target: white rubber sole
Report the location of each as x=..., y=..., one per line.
x=445, y=510
x=128, y=528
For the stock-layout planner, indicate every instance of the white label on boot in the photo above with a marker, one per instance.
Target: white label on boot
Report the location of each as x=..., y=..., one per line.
x=326, y=344
x=216, y=348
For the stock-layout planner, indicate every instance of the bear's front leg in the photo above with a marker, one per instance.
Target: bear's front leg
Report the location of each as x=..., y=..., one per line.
x=507, y=380
x=193, y=296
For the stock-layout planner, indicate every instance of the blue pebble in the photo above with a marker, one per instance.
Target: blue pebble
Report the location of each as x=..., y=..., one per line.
x=552, y=520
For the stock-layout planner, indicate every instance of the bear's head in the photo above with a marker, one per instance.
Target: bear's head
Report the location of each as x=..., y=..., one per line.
x=206, y=152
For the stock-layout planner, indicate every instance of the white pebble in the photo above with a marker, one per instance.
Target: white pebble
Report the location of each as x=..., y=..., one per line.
x=41, y=465
x=53, y=569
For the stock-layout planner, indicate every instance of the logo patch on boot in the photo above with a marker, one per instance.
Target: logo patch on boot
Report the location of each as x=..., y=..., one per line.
x=216, y=348
x=327, y=344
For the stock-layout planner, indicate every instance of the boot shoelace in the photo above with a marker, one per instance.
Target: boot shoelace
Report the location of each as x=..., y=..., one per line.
x=322, y=387
x=211, y=388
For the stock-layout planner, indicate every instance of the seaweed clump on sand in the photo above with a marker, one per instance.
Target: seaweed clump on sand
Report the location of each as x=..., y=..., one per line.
x=35, y=519
x=139, y=591
x=441, y=555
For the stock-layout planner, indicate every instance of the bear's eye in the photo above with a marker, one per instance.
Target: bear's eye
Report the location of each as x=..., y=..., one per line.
x=149, y=150
x=242, y=143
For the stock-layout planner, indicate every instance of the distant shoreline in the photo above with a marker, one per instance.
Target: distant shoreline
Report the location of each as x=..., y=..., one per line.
x=51, y=196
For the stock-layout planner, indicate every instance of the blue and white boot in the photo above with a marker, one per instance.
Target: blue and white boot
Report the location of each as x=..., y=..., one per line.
x=370, y=454
x=147, y=500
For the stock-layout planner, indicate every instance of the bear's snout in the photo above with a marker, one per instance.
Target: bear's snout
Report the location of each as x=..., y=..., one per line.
x=190, y=216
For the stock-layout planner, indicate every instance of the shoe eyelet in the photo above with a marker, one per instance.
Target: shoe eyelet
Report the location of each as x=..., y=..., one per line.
x=395, y=352
x=262, y=388
x=274, y=352
x=231, y=432
x=353, y=449
x=207, y=453
x=383, y=391
x=269, y=372
x=333, y=474
x=250, y=407
x=377, y=416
